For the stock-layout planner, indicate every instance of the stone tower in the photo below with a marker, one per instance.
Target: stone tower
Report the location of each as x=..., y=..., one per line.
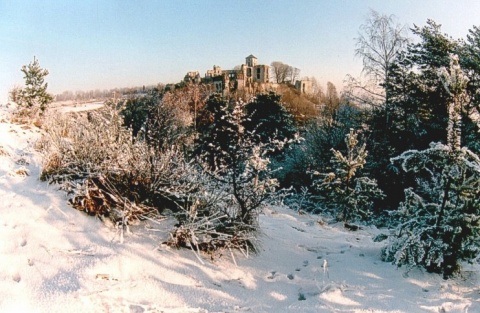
x=251, y=60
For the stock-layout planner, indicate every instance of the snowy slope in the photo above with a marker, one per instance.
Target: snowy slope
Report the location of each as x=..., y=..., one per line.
x=56, y=259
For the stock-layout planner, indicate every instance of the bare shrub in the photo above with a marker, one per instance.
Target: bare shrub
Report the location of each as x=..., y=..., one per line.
x=211, y=222
x=214, y=235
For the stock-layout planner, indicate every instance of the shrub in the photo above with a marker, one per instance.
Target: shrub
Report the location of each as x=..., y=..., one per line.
x=233, y=157
x=313, y=152
x=96, y=160
x=112, y=176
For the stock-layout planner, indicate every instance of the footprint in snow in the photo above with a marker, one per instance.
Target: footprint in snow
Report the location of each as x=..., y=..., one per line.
x=16, y=277
x=272, y=275
x=290, y=276
x=305, y=263
x=134, y=308
x=301, y=296
x=23, y=243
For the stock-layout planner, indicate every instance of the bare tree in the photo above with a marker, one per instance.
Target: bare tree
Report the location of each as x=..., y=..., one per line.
x=294, y=74
x=317, y=91
x=283, y=73
x=380, y=39
x=279, y=71
x=332, y=101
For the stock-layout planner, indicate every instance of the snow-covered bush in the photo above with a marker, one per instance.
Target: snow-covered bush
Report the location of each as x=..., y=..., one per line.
x=108, y=174
x=313, y=152
x=209, y=216
x=235, y=169
x=207, y=224
x=96, y=160
x=233, y=157
x=349, y=196
x=300, y=201
x=440, y=216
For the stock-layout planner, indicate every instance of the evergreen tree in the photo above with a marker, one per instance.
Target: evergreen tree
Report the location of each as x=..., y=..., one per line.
x=440, y=216
x=268, y=119
x=135, y=112
x=34, y=95
x=216, y=131
x=470, y=61
x=341, y=190
x=418, y=110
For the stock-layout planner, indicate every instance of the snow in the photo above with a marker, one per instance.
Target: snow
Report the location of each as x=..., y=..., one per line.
x=75, y=106
x=56, y=259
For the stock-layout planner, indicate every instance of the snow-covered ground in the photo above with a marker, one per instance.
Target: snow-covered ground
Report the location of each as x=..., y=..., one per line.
x=71, y=106
x=56, y=259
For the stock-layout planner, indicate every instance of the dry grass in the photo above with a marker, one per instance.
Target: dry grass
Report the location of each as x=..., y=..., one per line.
x=107, y=172
x=97, y=161
x=98, y=197
x=22, y=172
x=3, y=152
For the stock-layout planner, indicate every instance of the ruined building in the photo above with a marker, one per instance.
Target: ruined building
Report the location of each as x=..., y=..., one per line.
x=304, y=86
x=193, y=77
x=249, y=77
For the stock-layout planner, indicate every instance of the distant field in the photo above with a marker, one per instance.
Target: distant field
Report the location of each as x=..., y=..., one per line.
x=71, y=106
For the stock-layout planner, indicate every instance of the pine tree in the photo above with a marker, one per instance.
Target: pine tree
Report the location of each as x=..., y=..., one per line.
x=352, y=197
x=268, y=119
x=440, y=217
x=34, y=95
x=216, y=131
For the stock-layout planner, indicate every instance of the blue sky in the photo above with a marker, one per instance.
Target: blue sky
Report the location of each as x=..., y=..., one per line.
x=104, y=44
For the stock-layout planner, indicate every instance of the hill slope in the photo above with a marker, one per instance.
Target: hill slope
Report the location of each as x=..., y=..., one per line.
x=56, y=259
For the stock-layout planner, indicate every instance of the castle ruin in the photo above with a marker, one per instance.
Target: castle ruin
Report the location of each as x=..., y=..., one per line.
x=304, y=86
x=250, y=77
